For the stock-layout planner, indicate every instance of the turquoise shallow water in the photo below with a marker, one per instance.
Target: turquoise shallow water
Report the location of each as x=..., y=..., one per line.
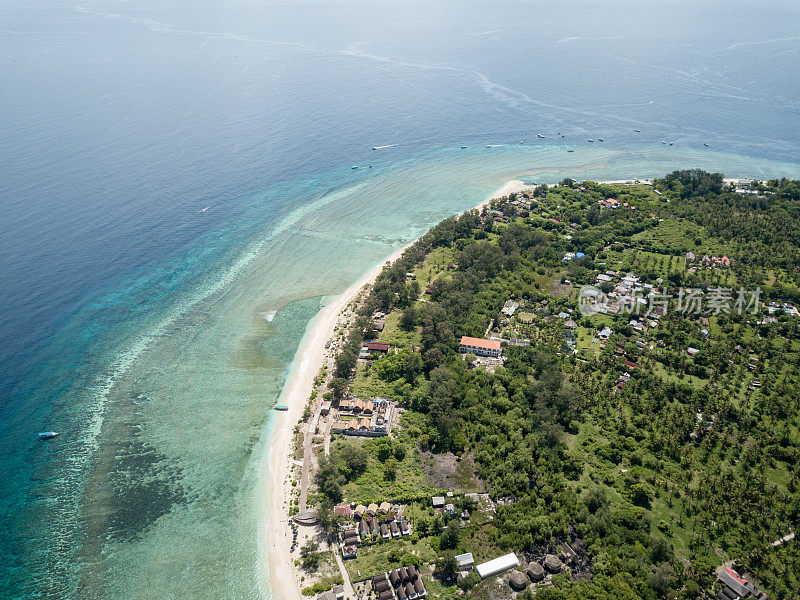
x=136, y=324
x=163, y=437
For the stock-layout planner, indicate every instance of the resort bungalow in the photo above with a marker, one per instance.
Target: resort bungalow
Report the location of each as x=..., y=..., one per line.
x=465, y=561
x=394, y=529
x=410, y=591
x=497, y=565
x=376, y=347
x=385, y=534
x=359, y=511
x=480, y=347
x=437, y=501
x=342, y=510
x=386, y=595
x=394, y=577
x=372, y=509
x=349, y=552
x=405, y=528
x=384, y=508
x=381, y=586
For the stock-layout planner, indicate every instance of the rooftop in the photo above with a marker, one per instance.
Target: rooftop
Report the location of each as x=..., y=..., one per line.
x=480, y=343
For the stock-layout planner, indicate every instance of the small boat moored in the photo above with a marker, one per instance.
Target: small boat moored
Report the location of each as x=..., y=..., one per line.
x=281, y=407
x=463, y=147
x=590, y=140
x=46, y=435
x=637, y=131
x=354, y=167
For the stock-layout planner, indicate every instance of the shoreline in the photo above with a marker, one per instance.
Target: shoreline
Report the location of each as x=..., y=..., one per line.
x=276, y=565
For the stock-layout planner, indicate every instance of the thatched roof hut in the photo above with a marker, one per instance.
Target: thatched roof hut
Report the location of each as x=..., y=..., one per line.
x=517, y=580
x=552, y=563
x=535, y=571
x=394, y=577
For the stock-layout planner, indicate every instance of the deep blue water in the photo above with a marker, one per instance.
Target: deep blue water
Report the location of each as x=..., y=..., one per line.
x=122, y=120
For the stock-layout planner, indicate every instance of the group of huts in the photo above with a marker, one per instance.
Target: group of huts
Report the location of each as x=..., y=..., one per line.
x=375, y=519
x=404, y=583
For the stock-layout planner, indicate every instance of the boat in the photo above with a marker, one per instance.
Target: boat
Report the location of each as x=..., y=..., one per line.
x=600, y=139
x=704, y=144
x=522, y=141
x=370, y=166
x=663, y=142
x=46, y=435
x=637, y=131
x=570, y=150
x=671, y=143
x=281, y=407
x=374, y=147
x=204, y=209
x=539, y=135
x=590, y=140
x=354, y=167
x=463, y=147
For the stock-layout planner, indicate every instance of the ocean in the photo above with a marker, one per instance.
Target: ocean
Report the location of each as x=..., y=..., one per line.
x=177, y=202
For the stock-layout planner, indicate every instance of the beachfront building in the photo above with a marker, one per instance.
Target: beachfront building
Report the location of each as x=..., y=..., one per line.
x=372, y=418
x=479, y=347
x=497, y=565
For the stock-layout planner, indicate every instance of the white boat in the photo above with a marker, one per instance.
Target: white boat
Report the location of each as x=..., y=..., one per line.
x=539, y=135
x=704, y=144
x=590, y=140
x=463, y=147
x=637, y=131
x=354, y=167
x=671, y=143
x=205, y=209
x=600, y=139
x=46, y=435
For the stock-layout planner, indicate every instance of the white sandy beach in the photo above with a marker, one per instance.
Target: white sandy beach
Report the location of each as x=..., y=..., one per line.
x=276, y=562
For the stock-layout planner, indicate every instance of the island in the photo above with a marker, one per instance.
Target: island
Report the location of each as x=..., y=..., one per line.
x=581, y=390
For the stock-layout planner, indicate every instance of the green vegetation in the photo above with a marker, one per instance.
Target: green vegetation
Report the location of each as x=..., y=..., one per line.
x=659, y=463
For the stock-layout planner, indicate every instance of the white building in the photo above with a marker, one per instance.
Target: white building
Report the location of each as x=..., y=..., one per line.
x=480, y=347
x=497, y=565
